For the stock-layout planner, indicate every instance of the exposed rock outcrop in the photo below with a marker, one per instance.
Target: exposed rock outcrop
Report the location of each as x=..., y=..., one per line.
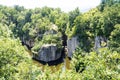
x=100, y=42
x=29, y=43
x=72, y=45
x=48, y=52
x=97, y=42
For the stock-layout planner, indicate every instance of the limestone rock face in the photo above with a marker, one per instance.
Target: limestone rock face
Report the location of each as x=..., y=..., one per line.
x=100, y=42
x=72, y=45
x=28, y=43
x=97, y=42
x=48, y=52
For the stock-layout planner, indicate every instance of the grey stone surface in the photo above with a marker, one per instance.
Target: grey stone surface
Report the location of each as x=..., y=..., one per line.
x=100, y=42
x=97, y=42
x=72, y=45
x=48, y=52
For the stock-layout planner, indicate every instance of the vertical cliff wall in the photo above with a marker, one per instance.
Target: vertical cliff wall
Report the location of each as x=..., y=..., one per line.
x=72, y=45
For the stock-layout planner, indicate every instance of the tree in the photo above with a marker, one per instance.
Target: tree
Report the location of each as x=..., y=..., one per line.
x=15, y=62
x=72, y=16
x=5, y=31
x=114, y=39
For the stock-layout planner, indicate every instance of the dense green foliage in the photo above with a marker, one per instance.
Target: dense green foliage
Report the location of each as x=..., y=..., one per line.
x=114, y=39
x=89, y=66
x=35, y=27
x=97, y=23
x=102, y=66
x=15, y=62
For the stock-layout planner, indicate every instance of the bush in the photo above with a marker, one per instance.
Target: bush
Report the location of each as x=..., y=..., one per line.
x=102, y=66
x=15, y=62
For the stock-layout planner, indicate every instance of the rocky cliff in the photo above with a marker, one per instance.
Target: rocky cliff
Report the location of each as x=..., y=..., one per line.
x=100, y=42
x=48, y=52
x=72, y=45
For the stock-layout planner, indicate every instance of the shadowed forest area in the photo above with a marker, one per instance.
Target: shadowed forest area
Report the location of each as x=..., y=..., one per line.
x=97, y=56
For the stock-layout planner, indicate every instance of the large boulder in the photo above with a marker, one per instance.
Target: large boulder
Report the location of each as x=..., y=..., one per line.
x=72, y=45
x=48, y=52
